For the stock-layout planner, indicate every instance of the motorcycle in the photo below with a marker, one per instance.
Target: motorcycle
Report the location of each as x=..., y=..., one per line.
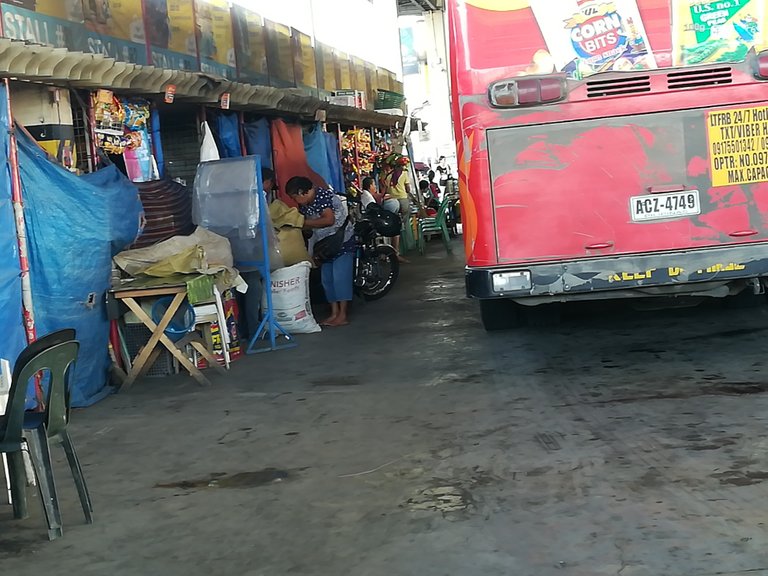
x=377, y=266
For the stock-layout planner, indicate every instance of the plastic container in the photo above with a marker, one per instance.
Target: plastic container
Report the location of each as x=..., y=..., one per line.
x=226, y=202
x=183, y=321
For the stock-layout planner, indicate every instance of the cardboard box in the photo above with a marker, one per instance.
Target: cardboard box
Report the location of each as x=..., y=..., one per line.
x=351, y=98
x=213, y=336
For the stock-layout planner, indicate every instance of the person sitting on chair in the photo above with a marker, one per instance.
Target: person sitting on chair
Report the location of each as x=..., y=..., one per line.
x=372, y=194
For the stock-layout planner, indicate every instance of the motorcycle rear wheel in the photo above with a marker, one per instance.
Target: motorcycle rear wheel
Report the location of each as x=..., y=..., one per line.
x=386, y=269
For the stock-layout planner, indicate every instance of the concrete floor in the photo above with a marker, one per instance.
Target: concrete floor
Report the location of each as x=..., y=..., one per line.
x=413, y=443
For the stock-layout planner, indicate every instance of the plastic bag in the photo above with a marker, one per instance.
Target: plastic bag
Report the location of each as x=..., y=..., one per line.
x=183, y=250
x=290, y=299
x=246, y=251
x=208, y=150
x=292, y=246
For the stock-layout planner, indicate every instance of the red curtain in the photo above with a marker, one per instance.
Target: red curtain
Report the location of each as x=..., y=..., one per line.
x=289, y=157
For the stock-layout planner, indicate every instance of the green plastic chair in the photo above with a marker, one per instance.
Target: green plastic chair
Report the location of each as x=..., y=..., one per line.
x=436, y=225
x=12, y=440
x=407, y=241
x=38, y=428
x=41, y=429
x=32, y=350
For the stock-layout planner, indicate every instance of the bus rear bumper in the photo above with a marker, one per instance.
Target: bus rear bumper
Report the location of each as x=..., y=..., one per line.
x=639, y=275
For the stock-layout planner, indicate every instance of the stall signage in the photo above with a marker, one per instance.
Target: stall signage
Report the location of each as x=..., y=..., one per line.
x=344, y=71
x=216, y=43
x=304, y=60
x=48, y=23
x=171, y=34
x=279, y=55
x=116, y=30
x=170, y=94
x=738, y=145
x=325, y=68
x=250, y=47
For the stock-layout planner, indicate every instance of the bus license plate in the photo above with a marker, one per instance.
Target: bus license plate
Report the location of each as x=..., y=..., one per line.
x=664, y=206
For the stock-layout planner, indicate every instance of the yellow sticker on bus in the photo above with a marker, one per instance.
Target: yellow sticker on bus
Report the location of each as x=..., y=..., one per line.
x=738, y=145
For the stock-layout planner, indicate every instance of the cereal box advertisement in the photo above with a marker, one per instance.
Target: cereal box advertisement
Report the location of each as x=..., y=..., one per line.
x=585, y=37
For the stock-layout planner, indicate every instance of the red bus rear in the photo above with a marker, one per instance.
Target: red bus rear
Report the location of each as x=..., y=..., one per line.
x=610, y=149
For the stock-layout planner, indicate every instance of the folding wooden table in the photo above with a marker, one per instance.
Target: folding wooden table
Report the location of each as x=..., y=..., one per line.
x=130, y=296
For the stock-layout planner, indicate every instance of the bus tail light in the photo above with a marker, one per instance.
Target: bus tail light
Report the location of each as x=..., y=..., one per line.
x=527, y=91
x=761, y=65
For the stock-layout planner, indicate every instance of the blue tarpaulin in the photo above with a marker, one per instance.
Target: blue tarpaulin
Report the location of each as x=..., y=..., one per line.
x=74, y=226
x=315, y=148
x=258, y=141
x=11, y=323
x=229, y=135
x=126, y=210
x=334, y=162
x=157, y=141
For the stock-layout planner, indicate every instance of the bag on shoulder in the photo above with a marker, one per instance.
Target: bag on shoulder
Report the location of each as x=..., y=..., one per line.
x=330, y=246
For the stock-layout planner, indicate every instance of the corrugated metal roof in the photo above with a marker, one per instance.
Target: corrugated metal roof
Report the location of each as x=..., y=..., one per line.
x=57, y=66
x=416, y=7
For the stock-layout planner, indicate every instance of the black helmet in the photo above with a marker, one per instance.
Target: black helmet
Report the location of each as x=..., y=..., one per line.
x=387, y=223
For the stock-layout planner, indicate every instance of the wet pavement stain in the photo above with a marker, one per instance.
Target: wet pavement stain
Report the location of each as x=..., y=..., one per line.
x=465, y=378
x=726, y=334
x=337, y=381
x=739, y=388
x=720, y=389
x=538, y=471
x=238, y=481
x=739, y=478
x=699, y=443
x=14, y=547
x=653, y=478
x=446, y=499
x=646, y=351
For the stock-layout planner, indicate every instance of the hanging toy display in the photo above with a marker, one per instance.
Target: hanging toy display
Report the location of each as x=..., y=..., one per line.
x=358, y=158
x=349, y=166
x=119, y=125
x=383, y=143
x=136, y=112
x=138, y=153
x=365, y=154
x=108, y=118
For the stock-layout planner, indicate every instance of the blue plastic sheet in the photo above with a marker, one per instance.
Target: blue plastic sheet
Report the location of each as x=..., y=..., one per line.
x=157, y=141
x=123, y=196
x=229, y=135
x=258, y=141
x=334, y=162
x=11, y=323
x=317, y=154
x=74, y=226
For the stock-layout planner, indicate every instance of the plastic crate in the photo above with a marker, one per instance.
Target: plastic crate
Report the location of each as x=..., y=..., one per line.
x=136, y=337
x=386, y=99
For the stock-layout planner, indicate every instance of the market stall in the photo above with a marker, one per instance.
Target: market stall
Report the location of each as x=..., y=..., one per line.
x=146, y=160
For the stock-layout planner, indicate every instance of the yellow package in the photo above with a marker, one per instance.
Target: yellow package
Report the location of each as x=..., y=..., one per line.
x=706, y=32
